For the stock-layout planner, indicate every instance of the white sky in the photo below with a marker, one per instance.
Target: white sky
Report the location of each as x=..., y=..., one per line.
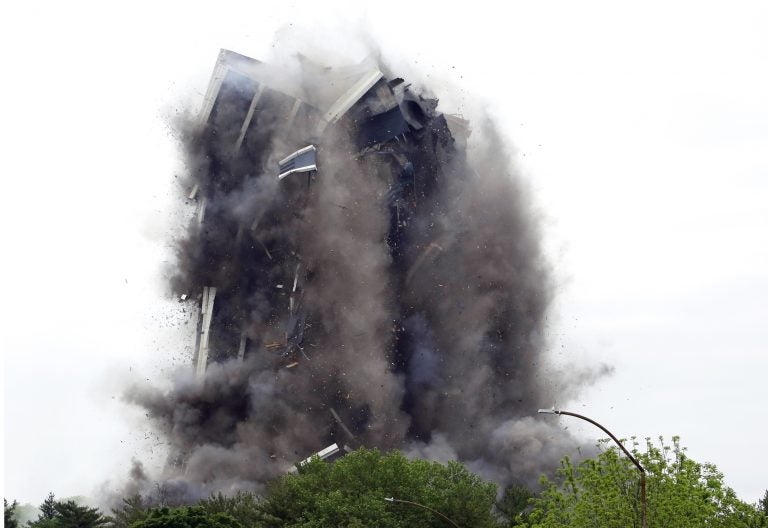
x=643, y=131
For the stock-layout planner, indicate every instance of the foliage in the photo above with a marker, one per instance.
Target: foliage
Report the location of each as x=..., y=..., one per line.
x=69, y=514
x=760, y=520
x=133, y=509
x=9, y=516
x=46, y=517
x=605, y=492
x=515, y=505
x=351, y=493
x=186, y=517
x=243, y=506
x=48, y=508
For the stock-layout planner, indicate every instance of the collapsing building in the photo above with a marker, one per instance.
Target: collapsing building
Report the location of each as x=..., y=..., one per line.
x=394, y=129
x=358, y=282
x=399, y=134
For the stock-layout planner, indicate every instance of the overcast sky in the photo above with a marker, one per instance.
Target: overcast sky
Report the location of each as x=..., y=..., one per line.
x=642, y=131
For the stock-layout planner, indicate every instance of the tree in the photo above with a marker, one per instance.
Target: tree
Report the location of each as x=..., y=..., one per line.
x=186, y=517
x=761, y=519
x=69, y=514
x=134, y=509
x=605, y=492
x=243, y=507
x=351, y=493
x=46, y=517
x=515, y=505
x=10, y=514
x=762, y=504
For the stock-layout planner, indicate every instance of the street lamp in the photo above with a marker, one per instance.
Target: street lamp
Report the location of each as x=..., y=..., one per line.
x=626, y=452
x=392, y=499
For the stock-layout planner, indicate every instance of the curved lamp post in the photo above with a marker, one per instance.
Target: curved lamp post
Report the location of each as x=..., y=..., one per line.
x=392, y=499
x=626, y=452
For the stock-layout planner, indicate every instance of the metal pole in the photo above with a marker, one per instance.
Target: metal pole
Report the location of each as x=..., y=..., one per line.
x=626, y=452
x=392, y=499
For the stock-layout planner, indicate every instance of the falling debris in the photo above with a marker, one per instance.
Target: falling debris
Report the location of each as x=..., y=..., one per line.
x=341, y=424
x=322, y=455
x=204, y=327
x=341, y=212
x=304, y=160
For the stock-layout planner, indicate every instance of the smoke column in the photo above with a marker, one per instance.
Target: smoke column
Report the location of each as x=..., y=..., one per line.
x=396, y=298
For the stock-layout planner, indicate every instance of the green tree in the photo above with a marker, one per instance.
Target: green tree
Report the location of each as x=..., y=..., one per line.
x=186, y=517
x=133, y=509
x=69, y=514
x=9, y=511
x=761, y=518
x=514, y=505
x=762, y=504
x=243, y=507
x=351, y=493
x=605, y=492
x=47, y=516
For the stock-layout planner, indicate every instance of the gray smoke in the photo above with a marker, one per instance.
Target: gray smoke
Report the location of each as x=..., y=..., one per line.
x=428, y=337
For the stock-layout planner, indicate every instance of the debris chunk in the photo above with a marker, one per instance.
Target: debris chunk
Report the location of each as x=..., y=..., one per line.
x=303, y=160
x=324, y=454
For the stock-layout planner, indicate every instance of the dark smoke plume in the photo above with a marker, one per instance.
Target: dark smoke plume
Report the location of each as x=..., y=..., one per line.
x=418, y=298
